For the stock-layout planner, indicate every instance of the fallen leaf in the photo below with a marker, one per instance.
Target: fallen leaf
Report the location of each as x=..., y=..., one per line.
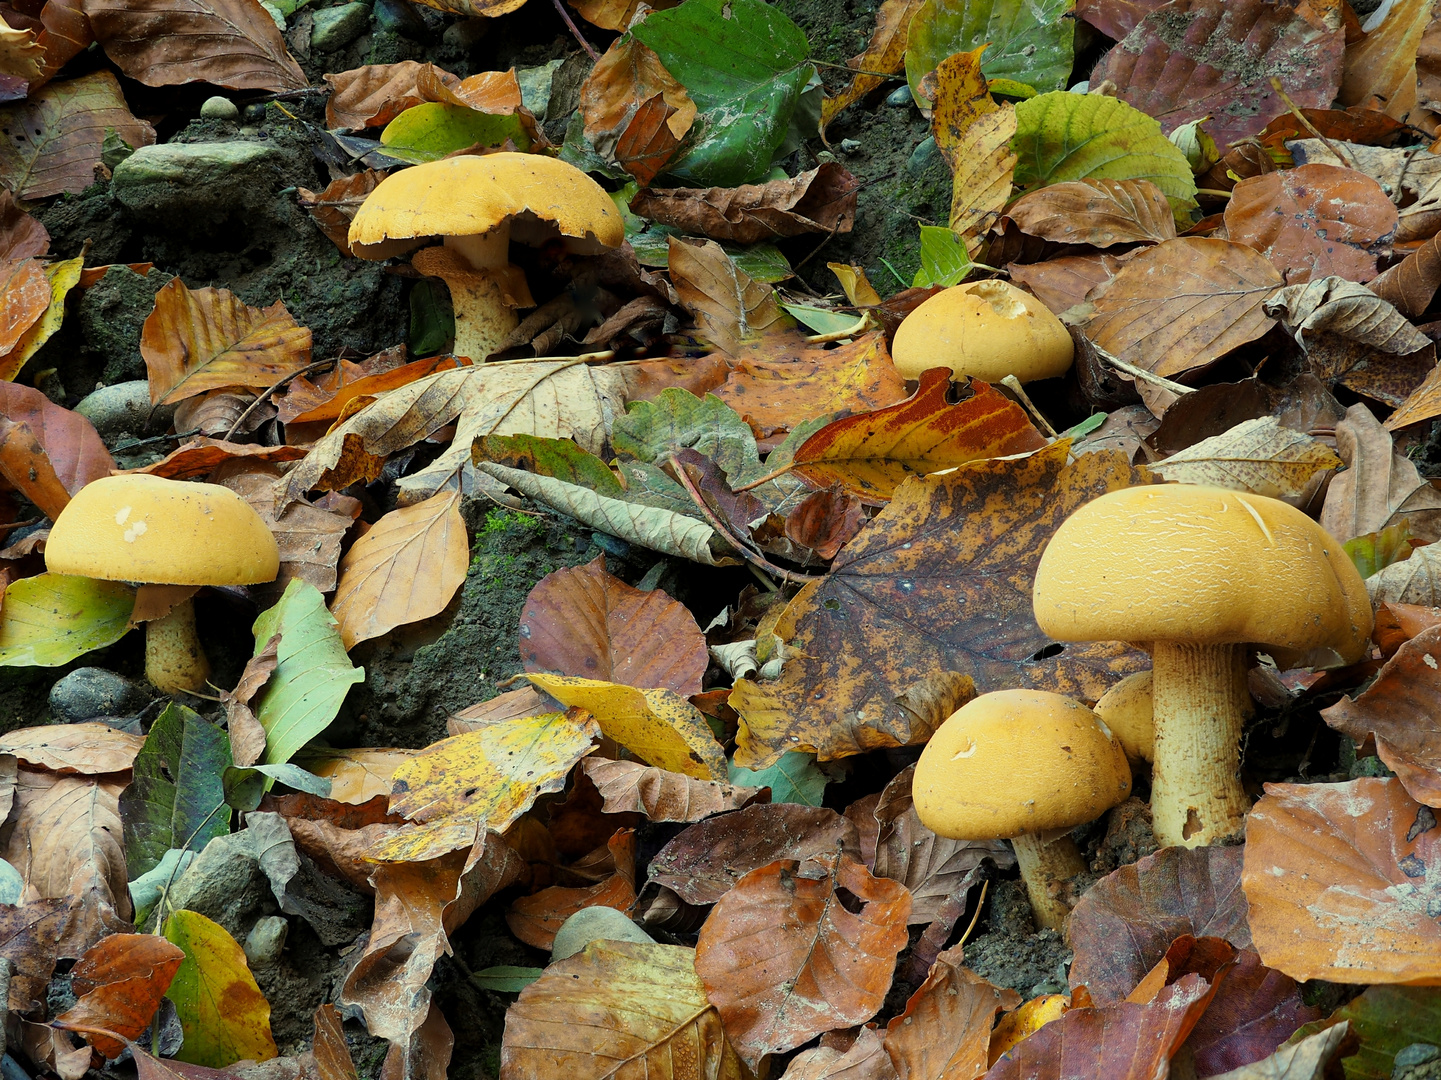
x=1254, y=1011
x=30, y=938
x=1416, y=580
x=821, y=200
x=1066, y=281
x=889, y=617
x=1387, y=1019
x=1098, y=212
x=332, y=1055
x=50, y=619
x=1346, y=309
x=706, y=861
x=224, y=1015
x=199, y=457
x=307, y=537
x=794, y=778
x=64, y=34
x=634, y=111
x=730, y=307
x=356, y=776
x=1311, y=1059
x=535, y=919
x=627, y=786
x=1259, y=456
x=120, y=982
x=1314, y=221
x=865, y=1060
x=585, y=621
x=1030, y=44
x=884, y=55
x=871, y=454
x=567, y=1023
x=71, y=119
x=334, y=208
x=825, y=521
x=945, y=1031
x=1183, y=304
x=783, y=960
x=1125, y=923
x=61, y=276
x=1335, y=879
x=90, y=749
x=247, y=735
x=26, y=468
x=229, y=43
x=205, y=339
x=615, y=14
x=1423, y=403
x=21, y=236
x=1381, y=68
x=974, y=134
x=1411, y=175
x=1379, y=487
x=375, y=94
x=24, y=296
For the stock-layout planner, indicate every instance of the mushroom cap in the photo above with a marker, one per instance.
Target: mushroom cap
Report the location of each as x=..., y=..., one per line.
x=161, y=532
x=467, y=196
x=1128, y=709
x=1200, y=565
x=987, y=330
x=1016, y=762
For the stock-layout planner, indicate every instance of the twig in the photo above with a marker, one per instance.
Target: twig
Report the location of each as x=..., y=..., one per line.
x=854, y=71
x=1301, y=119
x=1013, y=384
x=796, y=269
x=980, y=903
x=575, y=30
x=269, y=391
x=1141, y=373
x=860, y=326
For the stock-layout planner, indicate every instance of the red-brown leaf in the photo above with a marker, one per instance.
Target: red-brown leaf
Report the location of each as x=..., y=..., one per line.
x=70, y=441
x=120, y=982
x=945, y=1031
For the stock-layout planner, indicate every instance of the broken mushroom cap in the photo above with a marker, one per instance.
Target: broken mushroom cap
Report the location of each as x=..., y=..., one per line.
x=154, y=531
x=985, y=330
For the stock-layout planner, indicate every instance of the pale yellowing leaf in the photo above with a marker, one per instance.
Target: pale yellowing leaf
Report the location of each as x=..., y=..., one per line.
x=1259, y=456
x=661, y=795
x=356, y=776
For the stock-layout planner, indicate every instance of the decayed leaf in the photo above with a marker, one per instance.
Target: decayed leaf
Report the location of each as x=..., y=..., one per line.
x=64, y=34
x=120, y=982
x=566, y=1023
x=585, y=621
x=1259, y=456
x=334, y=209
x=1030, y=43
x=1423, y=403
x=91, y=749
x=1400, y=710
x=24, y=296
x=1209, y=58
x=30, y=940
x=406, y=568
x=374, y=95
x=482, y=780
x=1379, y=487
x=1336, y=879
x=1253, y=1011
x=1381, y=68
x=974, y=133
x=658, y=726
x=21, y=236
x=821, y=200
x=1183, y=304
x=332, y=1055
x=704, y=862
x=1313, y=221
x=890, y=614
x=231, y=43
x=885, y=55
x=307, y=537
x=1310, y=1059
x=1124, y=924
x=628, y=786
x=72, y=118
x=62, y=276
x=1334, y=305
x=783, y=960
x=945, y=1031
x=731, y=308
x=1387, y=1019
x=1416, y=580
x=630, y=98
x=224, y=1015
x=865, y=1060
x=204, y=339
x=1410, y=175
x=1098, y=212
x=870, y=454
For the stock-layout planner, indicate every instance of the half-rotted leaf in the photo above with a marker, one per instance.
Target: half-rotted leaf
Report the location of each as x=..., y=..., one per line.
x=1029, y=43
x=222, y=1012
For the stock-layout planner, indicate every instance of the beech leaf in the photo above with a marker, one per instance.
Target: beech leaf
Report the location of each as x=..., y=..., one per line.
x=224, y=1015
x=1259, y=456
x=628, y=786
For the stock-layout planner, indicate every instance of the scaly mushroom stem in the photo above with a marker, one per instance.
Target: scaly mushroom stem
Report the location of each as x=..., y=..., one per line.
x=483, y=319
x=174, y=660
x=1047, y=859
x=1200, y=707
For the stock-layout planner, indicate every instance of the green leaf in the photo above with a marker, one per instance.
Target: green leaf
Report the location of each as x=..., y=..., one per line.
x=675, y=418
x=222, y=1012
x=944, y=260
x=822, y=320
x=744, y=65
x=1031, y=42
x=1375, y=551
x=560, y=458
x=430, y=131
x=244, y=788
x=506, y=979
x=176, y=799
x=1085, y=427
x=795, y=778
x=1388, y=1019
x=432, y=318
x=312, y=676
x=765, y=262
x=50, y=619
x=1063, y=136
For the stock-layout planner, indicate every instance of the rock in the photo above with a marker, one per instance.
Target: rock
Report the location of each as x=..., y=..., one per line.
x=850, y=146
x=219, y=108
x=594, y=924
x=925, y=152
x=89, y=693
x=225, y=883
x=124, y=410
x=266, y=940
x=198, y=184
x=337, y=27
x=110, y=316
x=899, y=97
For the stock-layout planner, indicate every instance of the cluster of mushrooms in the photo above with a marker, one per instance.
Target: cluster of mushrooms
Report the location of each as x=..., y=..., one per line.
x=1197, y=576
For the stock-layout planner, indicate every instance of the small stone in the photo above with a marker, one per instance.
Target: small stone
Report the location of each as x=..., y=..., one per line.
x=1416, y=1054
x=535, y=84
x=850, y=146
x=225, y=883
x=594, y=924
x=124, y=409
x=337, y=27
x=922, y=155
x=266, y=940
x=214, y=178
x=899, y=97
x=89, y=693
x=219, y=108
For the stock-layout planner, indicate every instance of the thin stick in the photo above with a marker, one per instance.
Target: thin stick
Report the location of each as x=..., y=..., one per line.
x=1141, y=373
x=269, y=392
x=1013, y=384
x=980, y=903
x=1301, y=119
x=575, y=30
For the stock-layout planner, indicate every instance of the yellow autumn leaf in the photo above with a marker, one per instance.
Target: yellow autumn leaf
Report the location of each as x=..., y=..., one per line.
x=222, y=1012
x=63, y=276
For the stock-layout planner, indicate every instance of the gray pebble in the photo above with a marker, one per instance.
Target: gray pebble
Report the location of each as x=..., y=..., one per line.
x=850, y=146
x=89, y=693
x=921, y=156
x=219, y=108
x=266, y=940
x=899, y=97
x=124, y=409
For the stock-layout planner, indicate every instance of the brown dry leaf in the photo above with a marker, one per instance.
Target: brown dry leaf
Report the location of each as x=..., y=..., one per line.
x=406, y=568
x=730, y=308
x=1379, y=486
x=1336, y=876
x=91, y=749
x=616, y=14
x=939, y=581
x=778, y=383
x=618, y=102
x=584, y=621
x=1115, y=18
x=218, y=413
x=821, y=200
x=705, y=861
x=204, y=339
x=229, y=43
x=866, y=1059
x=1400, y=709
x=374, y=95
x=333, y=209
x=1065, y=282
x=1259, y=456
x=536, y=918
x=120, y=982
x=64, y=34
x=1126, y=923
x=24, y=296
x=1098, y=212
x=1412, y=176
x=885, y=55
x=25, y=467
x=1216, y=58
x=783, y=960
x=356, y=776
x=72, y=119
x=247, y=735
x=332, y=1055
x=30, y=940
x=21, y=236
x=307, y=537
x=1381, y=68
x=330, y=400
x=1412, y=283
x=65, y=840
x=974, y=134
x=1253, y=1011
x=1416, y=580
x=1183, y=304
x=201, y=456
x=870, y=454
x=628, y=786
x=945, y=1031
x=825, y=521
x=1314, y=221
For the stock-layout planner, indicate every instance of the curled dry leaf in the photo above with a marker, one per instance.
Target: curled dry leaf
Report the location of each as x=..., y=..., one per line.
x=730, y=307
x=584, y=621
x=1411, y=283
x=1097, y=212
x=1333, y=305
x=825, y=521
x=783, y=960
x=1255, y=1009
x=866, y=1059
x=1336, y=879
x=628, y=786
x=201, y=456
x=1379, y=486
x=91, y=749
x=945, y=1031
x=974, y=133
x=21, y=236
x=821, y=200
x=535, y=919
x=30, y=938
x=334, y=209
x=120, y=982
x=374, y=95
x=1416, y=580
x=635, y=111
x=1259, y=456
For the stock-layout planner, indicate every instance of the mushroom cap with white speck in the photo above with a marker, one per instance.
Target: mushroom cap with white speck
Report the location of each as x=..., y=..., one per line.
x=156, y=531
x=1200, y=565
x=986, y=330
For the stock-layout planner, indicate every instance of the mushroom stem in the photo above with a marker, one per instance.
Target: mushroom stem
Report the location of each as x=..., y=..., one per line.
x=1200, y=707
x=1047, y=859
x=174, y=660
x=483, y=319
